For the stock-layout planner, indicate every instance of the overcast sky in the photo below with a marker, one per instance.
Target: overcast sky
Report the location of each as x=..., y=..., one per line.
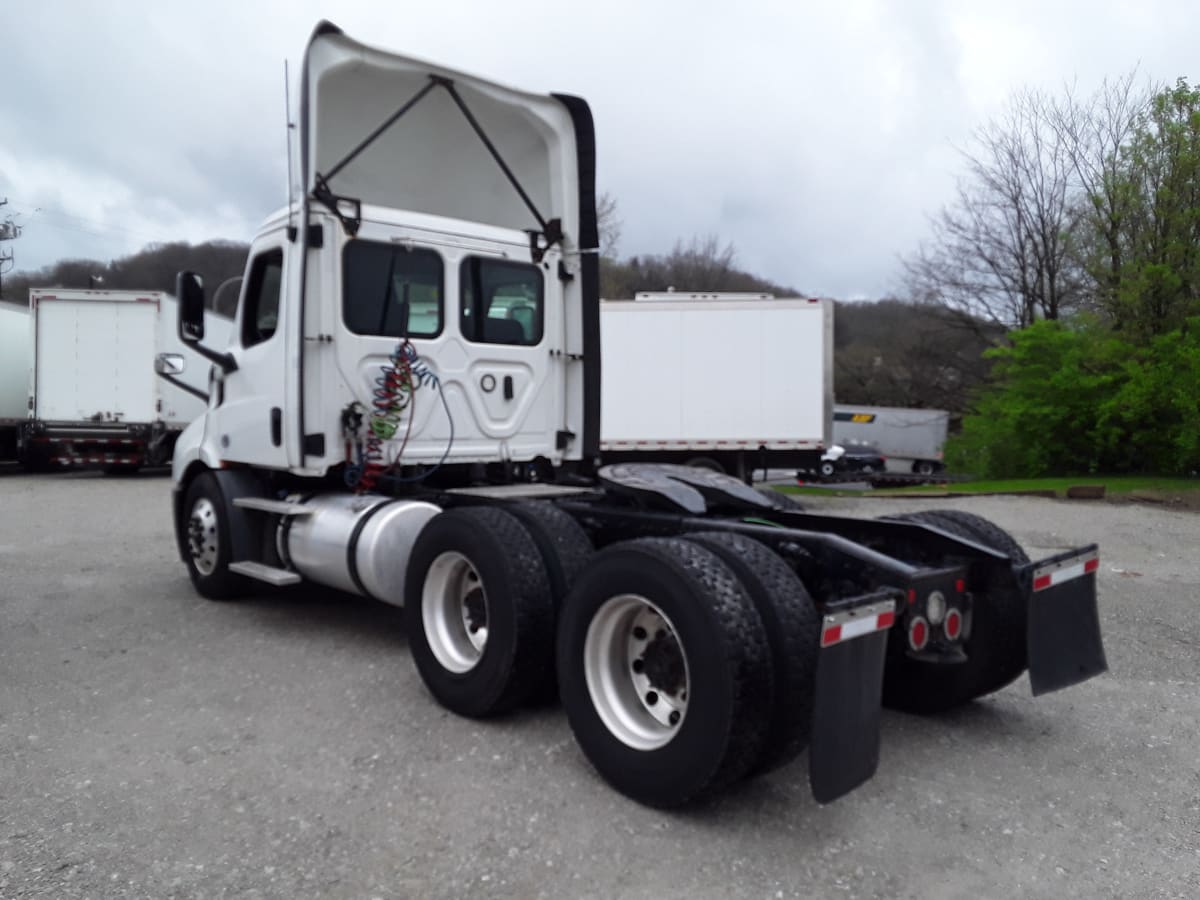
x=816, y=137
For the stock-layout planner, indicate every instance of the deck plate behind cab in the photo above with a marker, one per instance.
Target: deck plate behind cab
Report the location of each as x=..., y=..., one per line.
x=684, y=488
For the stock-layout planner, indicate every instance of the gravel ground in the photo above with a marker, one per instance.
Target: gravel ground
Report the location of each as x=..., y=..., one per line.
x=154, y=744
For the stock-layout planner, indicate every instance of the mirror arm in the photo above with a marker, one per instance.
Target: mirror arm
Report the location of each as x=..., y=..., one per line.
x=183, y=386
x=224, y=360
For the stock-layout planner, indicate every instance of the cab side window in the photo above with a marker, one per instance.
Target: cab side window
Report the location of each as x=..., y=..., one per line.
x=261, y=315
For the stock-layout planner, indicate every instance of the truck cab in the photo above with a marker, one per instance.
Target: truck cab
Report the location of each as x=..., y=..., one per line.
x=434, y=289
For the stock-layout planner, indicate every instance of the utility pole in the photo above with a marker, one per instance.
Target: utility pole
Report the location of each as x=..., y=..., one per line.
x=9, y=231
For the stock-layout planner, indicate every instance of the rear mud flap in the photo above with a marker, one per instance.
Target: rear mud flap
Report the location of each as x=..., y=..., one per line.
x=849, y=692
x=1063, y=638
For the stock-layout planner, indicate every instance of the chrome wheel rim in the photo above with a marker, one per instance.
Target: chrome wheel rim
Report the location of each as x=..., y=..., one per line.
x=203, y=536
x=454, y=610
x=636, y=672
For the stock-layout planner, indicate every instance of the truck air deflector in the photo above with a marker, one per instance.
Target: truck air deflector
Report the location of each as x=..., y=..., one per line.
x=849, y=695
x=469, y=149
x=1063, y=636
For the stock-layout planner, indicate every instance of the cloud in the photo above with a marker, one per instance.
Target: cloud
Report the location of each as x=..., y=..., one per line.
x=817, y=138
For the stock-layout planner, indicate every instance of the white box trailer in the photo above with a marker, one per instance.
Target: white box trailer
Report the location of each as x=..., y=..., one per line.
x=14, y=375
x=96, y=398
x=731, y=382
x=911, y=439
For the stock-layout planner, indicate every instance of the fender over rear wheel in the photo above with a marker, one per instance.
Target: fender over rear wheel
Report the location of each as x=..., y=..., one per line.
x=664, y=670
x=479, y=611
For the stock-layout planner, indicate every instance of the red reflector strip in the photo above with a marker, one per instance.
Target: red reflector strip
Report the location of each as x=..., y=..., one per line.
x=831, y=635
x=846, y=626
x=1058, y=573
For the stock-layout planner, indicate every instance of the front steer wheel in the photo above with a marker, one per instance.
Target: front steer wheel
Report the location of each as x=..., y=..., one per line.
x=206, y=540
x=479, y=611
x=664, y=670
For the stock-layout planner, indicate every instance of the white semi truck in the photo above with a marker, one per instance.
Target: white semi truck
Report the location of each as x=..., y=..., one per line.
x=729, y=382
x=911, y=439
x=419, y=331
x=109, y=382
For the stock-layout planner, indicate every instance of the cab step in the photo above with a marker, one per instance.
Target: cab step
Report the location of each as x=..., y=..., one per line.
x=262, y=572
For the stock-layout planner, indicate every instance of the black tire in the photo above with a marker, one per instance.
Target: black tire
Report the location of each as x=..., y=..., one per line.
x=565, y=549
x=562, y=542
x=727, y=686
x=484, y=555
x=705, y=462
x=781, y=501
x=826, y=468
x=924, y=467
x=208, y=552
x=995, y=644
x=793, y=629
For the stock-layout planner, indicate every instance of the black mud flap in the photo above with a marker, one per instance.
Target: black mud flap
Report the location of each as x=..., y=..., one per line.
x=1063, y=638
x=849, y=693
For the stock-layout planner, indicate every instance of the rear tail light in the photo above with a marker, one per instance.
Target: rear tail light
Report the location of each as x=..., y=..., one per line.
x=953, y=626
x=918, y=633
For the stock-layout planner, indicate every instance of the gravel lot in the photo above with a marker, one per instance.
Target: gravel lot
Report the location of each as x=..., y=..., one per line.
x=154, y=744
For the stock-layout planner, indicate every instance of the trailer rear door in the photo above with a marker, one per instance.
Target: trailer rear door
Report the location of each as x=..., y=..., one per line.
x=94, y=358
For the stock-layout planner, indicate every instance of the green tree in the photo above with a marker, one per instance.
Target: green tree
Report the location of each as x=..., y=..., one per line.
x=1039, y=415
x=1160, y=272
x=1079, y=398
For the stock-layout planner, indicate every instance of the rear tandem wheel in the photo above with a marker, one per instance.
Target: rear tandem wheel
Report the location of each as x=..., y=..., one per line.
x=793, y=629
x=664, y=670
x=479, y=611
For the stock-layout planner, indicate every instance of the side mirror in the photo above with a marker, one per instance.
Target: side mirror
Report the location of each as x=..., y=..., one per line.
x=190, y=290
x=170, y=364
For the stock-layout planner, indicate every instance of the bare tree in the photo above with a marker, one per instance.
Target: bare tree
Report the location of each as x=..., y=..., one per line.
x=999, y=251
x=1097, y=132
x=609, y=224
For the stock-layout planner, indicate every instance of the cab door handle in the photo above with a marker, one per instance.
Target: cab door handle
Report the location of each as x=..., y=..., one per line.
x=508, y=387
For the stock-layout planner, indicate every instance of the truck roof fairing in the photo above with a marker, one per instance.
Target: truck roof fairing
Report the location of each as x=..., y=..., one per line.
x=386, y=129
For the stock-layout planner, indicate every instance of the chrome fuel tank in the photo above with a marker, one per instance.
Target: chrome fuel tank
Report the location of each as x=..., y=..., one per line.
x=356, y=543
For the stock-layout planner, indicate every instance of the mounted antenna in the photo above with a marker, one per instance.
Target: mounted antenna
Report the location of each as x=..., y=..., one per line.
x=287, y=118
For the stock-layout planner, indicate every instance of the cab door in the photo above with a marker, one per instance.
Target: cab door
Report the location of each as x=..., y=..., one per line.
x=250, y=418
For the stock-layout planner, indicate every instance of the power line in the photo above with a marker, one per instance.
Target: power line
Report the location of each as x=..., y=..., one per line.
x=79, y=223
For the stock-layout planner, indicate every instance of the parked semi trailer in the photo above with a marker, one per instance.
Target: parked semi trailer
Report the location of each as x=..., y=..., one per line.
x=419, y=330
x=14, y=375
x=911, y=439
x=728, y=382
x=110, y=382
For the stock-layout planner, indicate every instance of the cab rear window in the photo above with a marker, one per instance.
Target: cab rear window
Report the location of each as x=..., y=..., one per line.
x=391, y=290
x=502, y=302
